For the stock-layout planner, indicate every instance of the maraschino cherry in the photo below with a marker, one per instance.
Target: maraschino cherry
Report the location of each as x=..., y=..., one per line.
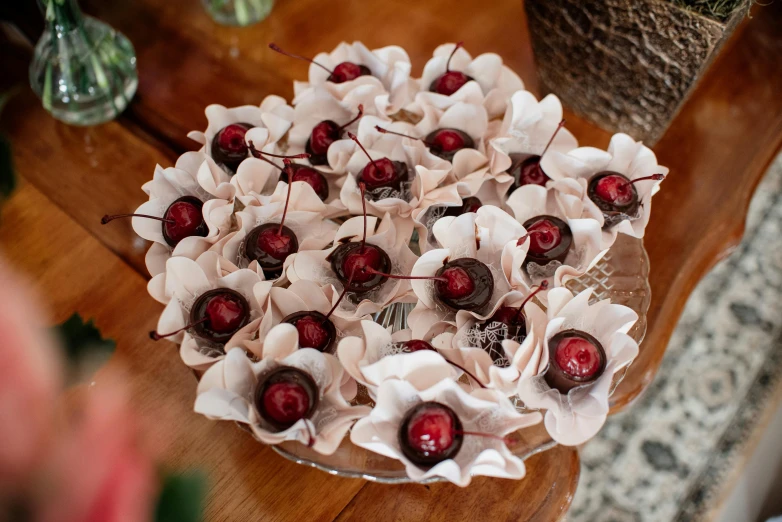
x=576, y=358
x=359, y=266
x=228, y=146
x=450, y=81
x=509, y=323
x=444, y=143
x=615, y=195
x=550, y=239
x=382, y=174
x=323, y=135
x=285, y=395
x=315, y=329
x=270, y=244
x=431, y=432
x=464, y=284
x=343, y=72
x=307, y=174
x=526, y=169
x=215, y=316
x=183, y=218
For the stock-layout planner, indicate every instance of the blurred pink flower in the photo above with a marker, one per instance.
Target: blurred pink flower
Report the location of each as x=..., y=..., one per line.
x=30, y=379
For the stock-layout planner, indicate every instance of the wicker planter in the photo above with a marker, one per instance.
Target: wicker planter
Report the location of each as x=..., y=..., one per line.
x=626, y=65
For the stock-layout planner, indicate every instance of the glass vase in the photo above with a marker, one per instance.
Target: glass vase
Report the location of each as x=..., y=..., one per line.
x=238, y=12
x=83, y=70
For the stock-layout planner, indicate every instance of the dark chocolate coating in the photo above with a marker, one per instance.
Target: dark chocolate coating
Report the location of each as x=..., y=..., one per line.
x=612, y=213
x=286, y=374
x=325, y=322
x=558, y=253
x=198, y=312
x=337, y=258
x=556, y=377
x=423, y=459
x=482, y=279
x=271, y=266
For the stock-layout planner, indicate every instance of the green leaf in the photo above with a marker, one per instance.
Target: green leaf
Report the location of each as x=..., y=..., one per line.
x=83, y=341
x=7, y=179
x=181, y=499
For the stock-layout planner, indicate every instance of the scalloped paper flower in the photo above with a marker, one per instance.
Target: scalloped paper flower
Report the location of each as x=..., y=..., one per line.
x=227, y=392
x=576, y=417
x=386, y=91
x=194, y=174
x=518, y=360
x=303, y=296
x=626, y=156
x=305, y=218
x=184, y=281
x=527, y=128
x=273, y=118
x=482, y=411
x=377, y=356
x=482, y=236
x=587, y=249
x=494, y=81
x=387, y=234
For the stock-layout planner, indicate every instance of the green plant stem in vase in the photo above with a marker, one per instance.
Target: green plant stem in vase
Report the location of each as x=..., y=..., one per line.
x=83, y=70
x=238, y=12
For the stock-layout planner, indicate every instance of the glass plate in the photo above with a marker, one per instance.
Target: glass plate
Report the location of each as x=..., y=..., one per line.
x=622, y=276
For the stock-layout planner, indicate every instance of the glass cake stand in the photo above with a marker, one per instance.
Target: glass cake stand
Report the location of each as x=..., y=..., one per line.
x=622, y=276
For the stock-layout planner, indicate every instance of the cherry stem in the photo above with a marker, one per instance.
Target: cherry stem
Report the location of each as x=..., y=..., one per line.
x=289, y=171
x=275, y=47
x=355, y=138
x=258, y=154
x=542, y=286
x=381, y=130
x=473, y=377
x=394, y=276
x=363, y=188
x=551, y=140
x=107, y=218
x=448, y=63
x=354, y=120
x=478, y=434
x=655, y=177
x=344, y=291
x=156, y=336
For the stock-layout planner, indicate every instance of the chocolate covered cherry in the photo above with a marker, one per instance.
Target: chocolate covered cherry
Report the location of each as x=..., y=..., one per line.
x=576, y=358
x=550, y=239
x=286, y=395
x=228, y=147
x=269, y=245
x=323, y=135
x=315, y=329
x=382, y=174
x=445, y=143
x=363, y=261
x=464, y=284
x=450, y=81
x=430, y=433
x=343, y=72
x=526, y=168
x=615, y=195
x=507, y=322
x=183, y=218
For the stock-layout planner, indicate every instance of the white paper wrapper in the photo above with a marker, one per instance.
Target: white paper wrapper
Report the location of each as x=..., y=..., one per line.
x=587, y=249
x=574, y=418
x=483, y=411
x=523, y=359
x=305, y=217
x=482, y=236
x=196, y=175
x=527, y=127
x=495, y=81
x=226, y=392
x=625, y=156
x=377, y=356
x=184, y=281
x=273, y=118
x=314, y=265
x=388, y=90
x=302, y=296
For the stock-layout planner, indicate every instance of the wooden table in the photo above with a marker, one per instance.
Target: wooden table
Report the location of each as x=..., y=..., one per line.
x=717, y=149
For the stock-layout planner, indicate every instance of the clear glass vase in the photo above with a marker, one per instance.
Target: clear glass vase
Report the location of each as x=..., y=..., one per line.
x=238, y=12
x=83, y=70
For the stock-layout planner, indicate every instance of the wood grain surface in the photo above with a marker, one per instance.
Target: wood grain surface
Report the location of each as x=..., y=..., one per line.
x=717, y=150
